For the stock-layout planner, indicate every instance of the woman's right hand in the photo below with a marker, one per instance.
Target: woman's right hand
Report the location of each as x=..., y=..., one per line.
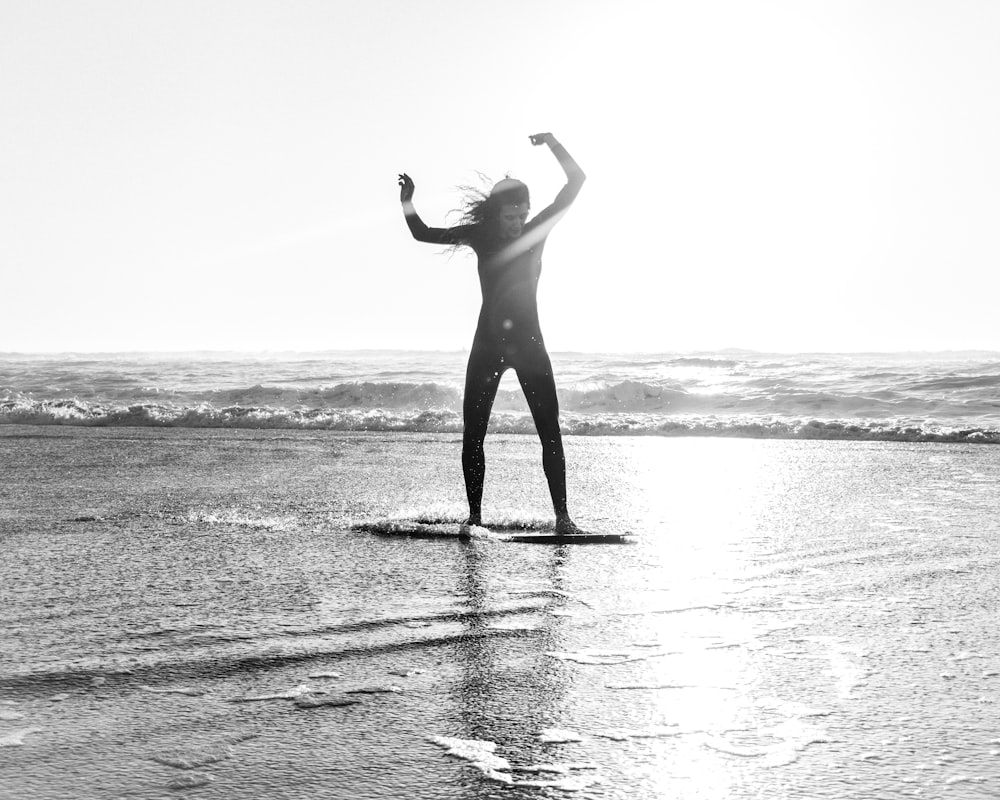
x=406, y=188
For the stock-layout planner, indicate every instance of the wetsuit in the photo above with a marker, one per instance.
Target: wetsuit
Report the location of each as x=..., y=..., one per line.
x=508, y=336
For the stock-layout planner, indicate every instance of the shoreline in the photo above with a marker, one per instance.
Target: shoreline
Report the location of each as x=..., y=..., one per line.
x=577, y=427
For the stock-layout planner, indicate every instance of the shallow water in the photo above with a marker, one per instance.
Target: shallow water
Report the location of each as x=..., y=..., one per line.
x=188, y=611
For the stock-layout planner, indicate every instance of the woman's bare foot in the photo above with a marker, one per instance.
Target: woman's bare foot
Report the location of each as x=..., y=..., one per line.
x=566, y=527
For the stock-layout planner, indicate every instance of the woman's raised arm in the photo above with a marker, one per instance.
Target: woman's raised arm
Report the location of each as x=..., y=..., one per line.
x=574, y=179
x=421, y=232
x=574, y=174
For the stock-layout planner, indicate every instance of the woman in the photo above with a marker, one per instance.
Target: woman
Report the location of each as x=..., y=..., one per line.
x=508, y=336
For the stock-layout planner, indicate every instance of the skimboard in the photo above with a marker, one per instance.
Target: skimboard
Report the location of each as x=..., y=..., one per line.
x=551, y=537
x=415, y=529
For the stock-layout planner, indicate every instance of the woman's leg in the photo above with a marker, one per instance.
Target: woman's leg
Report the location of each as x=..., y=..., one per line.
x=482, y=377
x=539, y=388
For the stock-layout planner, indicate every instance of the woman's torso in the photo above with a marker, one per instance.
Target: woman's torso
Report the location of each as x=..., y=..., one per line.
x=508, y=279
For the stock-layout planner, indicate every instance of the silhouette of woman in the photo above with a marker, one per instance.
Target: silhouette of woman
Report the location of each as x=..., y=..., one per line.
x=508, y=335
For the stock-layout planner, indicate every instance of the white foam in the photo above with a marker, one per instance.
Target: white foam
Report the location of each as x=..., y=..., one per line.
x=964, y=779
x=391, y=689
x=290, y=694
x=178, y=690
x=11, y=716
x=58, y=698
x=482, y=755
x=326, y=675
x=238, y=518
x=632, y=397
x=479, y=753
x=15, y=737
x=476, y=532
x=558, y=736
x=416, y=527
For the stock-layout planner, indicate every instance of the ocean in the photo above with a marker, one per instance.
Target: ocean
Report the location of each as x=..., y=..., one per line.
x=191, y=604
x=938, y=397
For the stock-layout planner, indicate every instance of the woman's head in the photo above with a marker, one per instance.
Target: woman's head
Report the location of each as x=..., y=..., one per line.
x=511, y=202
x=502, y=212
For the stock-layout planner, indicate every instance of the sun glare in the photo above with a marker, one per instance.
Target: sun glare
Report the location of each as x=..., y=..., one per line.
x=705, y=505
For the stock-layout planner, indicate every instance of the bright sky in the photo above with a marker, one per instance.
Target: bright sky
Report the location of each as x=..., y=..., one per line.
x=221, y=174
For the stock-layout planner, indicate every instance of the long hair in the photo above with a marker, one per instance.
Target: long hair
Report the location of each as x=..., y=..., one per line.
x=481, y=208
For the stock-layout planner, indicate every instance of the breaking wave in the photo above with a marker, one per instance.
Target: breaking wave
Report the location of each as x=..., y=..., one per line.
x=603, y=423
x=888, y=397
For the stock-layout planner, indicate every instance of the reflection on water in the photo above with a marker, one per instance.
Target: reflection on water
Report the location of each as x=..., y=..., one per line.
x=797, y=619
x=759, y=641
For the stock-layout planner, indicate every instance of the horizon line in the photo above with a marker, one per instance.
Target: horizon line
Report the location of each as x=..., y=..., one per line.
x=465, y=350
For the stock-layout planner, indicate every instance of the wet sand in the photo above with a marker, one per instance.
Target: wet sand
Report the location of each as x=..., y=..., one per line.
x=189, y=611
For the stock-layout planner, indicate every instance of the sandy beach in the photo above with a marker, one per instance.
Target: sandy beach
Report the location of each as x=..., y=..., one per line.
x=190, y=611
